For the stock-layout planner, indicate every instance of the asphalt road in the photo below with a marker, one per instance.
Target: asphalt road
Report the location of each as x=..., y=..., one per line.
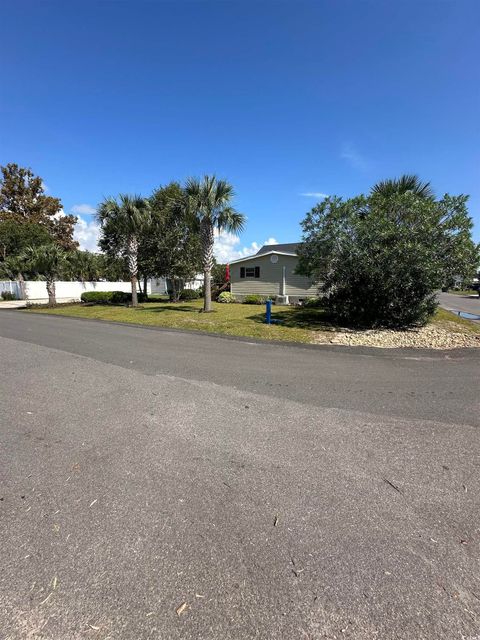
x=452, y=301
x=278, y=491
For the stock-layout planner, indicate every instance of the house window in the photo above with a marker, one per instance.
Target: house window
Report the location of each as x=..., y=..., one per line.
x=249, y=272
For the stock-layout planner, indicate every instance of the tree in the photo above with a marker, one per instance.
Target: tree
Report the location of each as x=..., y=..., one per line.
x=125, y=219
x=47, y=261
x=14, y=268
x=209, y=201
x=380, y=259
x=84, y=266
x=405, y=184
x=14, y=237
x=23, y=200
x=171, y=248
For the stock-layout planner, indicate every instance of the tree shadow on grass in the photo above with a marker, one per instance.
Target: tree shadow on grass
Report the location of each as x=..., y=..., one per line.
x=173, y=307
x=299, y=318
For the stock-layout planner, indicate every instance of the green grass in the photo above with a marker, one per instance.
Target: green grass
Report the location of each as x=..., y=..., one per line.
x=449, y=320
x=229, y=319
x=463, y=292
x=297, y=324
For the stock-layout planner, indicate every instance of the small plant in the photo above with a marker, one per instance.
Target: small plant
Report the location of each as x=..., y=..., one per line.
x=8, y=295
x=189, y=294
x=312, y=303
x=226, y=297
x=253, y=299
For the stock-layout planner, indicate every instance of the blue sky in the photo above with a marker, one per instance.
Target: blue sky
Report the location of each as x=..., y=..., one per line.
x=282, y=98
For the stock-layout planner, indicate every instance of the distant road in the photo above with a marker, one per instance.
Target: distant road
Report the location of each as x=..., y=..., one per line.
x=460, y=303
x=262, y=491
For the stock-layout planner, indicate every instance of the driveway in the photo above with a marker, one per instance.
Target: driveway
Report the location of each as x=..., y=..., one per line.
x=467, y=304
x=167, y=485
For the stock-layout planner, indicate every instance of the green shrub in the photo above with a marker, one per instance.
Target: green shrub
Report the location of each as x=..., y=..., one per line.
x=312, y=303
x=8, y=295
x=97, y=297
x=189, y=294
x=110, y=297
x=253, y=299
x=226, y=297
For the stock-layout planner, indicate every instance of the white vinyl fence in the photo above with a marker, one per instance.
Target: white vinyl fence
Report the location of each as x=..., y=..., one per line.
x=64, y=290
x=12, y=287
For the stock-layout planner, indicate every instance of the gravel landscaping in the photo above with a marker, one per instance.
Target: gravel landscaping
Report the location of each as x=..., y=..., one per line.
x=429, y=337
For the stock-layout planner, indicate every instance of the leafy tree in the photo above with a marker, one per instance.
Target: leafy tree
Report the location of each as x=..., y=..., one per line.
x=405, y=184
x=209, y=201
x=23, y=200
x=14, y=237
x=219, y=274
x=124, y=220
x=171, y=248
x=84, y=266
x=14, y=268
x=381, y=258
x=47, y=261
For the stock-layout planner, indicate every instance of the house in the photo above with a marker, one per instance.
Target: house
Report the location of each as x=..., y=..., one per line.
x=271, y=273
x=163, y=285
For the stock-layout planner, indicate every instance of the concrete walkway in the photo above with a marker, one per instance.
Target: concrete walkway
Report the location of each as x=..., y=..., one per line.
x=12, y=304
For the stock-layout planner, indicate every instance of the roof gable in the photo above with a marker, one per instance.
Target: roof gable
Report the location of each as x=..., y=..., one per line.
x=257, y=256
x=290, y=247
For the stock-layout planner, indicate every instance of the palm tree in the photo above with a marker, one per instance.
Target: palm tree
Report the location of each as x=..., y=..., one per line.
x=405, y=184
x=14, y=267
x=48, y=261
x=209, y=201
x=129, y=216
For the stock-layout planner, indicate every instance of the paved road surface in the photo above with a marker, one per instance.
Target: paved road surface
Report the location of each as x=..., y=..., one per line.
x=460, y=303
x=281, y=492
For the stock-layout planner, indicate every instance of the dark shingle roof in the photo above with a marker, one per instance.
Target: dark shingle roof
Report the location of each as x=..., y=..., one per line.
x=290, y=247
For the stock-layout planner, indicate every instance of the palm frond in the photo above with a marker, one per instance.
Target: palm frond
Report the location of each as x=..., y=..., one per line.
x=407, y=183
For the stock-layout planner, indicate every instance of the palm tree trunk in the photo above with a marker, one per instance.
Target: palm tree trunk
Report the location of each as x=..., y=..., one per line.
x=52, y=301
x=206, y=231
x=21, y=282
x=145, y=286
x=133, y=267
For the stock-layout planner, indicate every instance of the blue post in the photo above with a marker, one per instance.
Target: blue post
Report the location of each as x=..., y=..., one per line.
x=268, y=314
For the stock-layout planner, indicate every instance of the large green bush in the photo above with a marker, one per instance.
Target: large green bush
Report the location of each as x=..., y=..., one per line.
x=253, y=299
x=226, y=297
x=189, y=294
x=380, y=259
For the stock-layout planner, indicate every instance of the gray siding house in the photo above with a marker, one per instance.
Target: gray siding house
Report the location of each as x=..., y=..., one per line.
x=271, y=273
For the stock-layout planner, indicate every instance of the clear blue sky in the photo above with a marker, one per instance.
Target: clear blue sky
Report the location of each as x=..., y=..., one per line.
x=281, y=98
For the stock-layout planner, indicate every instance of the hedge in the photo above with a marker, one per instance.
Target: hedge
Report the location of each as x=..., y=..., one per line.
x=110, y=297
x=189, y=294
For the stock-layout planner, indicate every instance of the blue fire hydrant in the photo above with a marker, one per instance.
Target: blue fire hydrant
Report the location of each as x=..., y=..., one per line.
x=268, y=312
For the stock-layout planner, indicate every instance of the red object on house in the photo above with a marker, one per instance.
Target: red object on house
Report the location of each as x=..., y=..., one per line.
x=227, y=273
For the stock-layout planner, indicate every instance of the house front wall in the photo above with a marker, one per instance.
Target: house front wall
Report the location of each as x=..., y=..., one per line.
x=270, y=281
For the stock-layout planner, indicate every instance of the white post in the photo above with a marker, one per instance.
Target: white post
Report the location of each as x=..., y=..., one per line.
x=283, y=282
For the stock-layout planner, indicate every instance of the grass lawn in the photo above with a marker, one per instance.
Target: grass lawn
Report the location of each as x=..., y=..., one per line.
x=297, y=324
x=448, y=320
x=464, y=292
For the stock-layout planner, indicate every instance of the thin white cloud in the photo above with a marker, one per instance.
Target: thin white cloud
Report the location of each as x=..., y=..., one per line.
x=83, y=209
x=354, y=157
x=87, y=234
x=228, y=247
x=314, y=194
